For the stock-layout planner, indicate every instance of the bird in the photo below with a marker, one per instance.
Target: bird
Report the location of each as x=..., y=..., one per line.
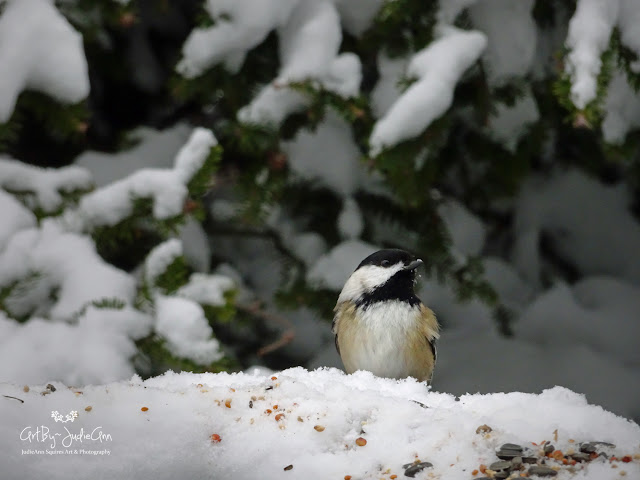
x=380, y=325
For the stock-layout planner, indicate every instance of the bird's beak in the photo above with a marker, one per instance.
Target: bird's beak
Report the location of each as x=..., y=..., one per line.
x=413, y=265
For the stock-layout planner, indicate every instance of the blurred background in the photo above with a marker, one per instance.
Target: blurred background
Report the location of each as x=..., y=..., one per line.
x=186, y=185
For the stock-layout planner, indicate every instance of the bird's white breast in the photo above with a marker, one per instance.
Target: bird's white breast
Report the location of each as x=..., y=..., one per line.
x=381, y=339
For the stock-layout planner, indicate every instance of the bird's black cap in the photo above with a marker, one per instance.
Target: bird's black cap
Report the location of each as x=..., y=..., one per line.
x=390, y=255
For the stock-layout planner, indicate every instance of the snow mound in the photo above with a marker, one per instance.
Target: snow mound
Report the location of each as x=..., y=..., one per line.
x=295, y=424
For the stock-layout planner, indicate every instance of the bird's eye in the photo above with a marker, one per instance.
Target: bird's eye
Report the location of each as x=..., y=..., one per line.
x=385, y=263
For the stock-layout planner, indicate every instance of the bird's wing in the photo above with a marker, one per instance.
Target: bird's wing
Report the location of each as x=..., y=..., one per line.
x=431, y=331
x=335, y=332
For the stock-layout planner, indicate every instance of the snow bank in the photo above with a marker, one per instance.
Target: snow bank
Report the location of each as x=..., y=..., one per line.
x=296, y=424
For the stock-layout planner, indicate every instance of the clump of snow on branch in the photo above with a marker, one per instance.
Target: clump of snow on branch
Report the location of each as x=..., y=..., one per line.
x=95, y=350
x=44, y=186
x=622, y=110
x=15, y=217
x=309, y=44
x=309, y=36
x=51, y=55
x=181, y=322
x=240, y=26
x=64, y=301
x=590, y=29
x=207, y=289
x=629, y=25
x=66, y=263
x=156, y=149
x=153, y=148
x=167, y=188
x=510, y=122
x=328, y=156
x=160, y=258
x=437, y=68
x=511, y=37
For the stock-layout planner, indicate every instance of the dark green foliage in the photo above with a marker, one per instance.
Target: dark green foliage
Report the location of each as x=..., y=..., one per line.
x=154, y=358
x=175, y=276
x=226, y=91
x=134, y=236
x=14, y=289
x=402, y=26
x=34, y=110
x=591, y=115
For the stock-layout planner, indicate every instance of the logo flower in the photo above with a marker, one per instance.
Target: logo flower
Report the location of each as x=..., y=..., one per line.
x=70, y=417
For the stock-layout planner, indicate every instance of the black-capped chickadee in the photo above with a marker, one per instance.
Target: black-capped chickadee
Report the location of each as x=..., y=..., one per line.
x=380, y=325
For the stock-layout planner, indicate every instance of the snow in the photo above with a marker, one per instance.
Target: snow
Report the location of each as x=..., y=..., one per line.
x=67, y=264
x=438, y=67
x=309, y=35
x=94, y=350
x=509, y=123
x=511, y=35
x=164, y=427
x=167, y=188
x=44, y=185
x=228, y=40
x=629, y=26
x=466, y=229
x=328, y=156
x=207, y=289
x=589, y=33
x=450, y=9
x=307, y=246
x=565, y=207
x=512, y=289
x=387, y=91
x=181, y=322
x=160, y=258
x=333, y=268
x=309, y=44
x=153, y=148
x=15, y=217
x=350, y=222
x=28, y=29
x=357, y=15
x=578, y=313
x=622, y=110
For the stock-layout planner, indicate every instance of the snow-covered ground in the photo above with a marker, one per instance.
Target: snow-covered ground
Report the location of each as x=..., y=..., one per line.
x=298, y=424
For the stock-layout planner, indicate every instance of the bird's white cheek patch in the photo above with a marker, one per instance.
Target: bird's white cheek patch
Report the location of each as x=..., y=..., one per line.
x=366, y=279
